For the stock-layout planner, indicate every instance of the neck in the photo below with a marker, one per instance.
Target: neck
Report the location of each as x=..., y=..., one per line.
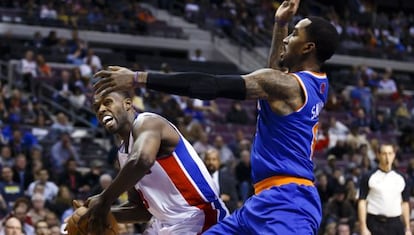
x=307, y=65
x=127, y=128
x=385, y=168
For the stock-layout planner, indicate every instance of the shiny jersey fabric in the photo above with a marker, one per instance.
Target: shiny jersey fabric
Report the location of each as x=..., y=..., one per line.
x=178, y=187
x=283, y=145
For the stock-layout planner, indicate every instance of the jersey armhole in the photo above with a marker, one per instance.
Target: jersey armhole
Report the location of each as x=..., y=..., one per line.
x=303, y=88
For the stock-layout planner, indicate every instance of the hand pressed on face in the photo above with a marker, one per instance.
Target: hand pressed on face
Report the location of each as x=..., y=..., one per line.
x=114, y=78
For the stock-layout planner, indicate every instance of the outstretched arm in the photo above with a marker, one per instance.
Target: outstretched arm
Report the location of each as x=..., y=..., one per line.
x=283, y=16
x=267, y=84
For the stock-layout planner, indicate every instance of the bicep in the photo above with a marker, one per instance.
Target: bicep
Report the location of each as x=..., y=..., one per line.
x=270, y=84
x=147, y=140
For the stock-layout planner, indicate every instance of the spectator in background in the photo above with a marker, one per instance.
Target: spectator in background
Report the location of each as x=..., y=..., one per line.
x=38, y=211
x=362, y=95
x=223, y=179
x=192, y=10
x=104, y=181
x=361, y=121
x=343, y=229
x=9, y=189
x=6, y=156
x=325, y=190
x=62, y=124
x=42, y=181
x=62, y=151
x=51, y=39
x=402, y=115
x=41, y=228
x=20, y=209
x=71, y=177
x=21, y=172
x=36, y=42
x=242, y=172
x=62, y=202
x=12, y=226
x=78, y=98
x=380, y=124
x=237, y=114
x=387, y=85
x=48, y=12
x=93, y=61
x=336, y=131
x=91, y=178
x=226, y=155
x=77, y=52
x=339, y=208
x=64, y=85
x=43, y=68
x=28, y=69
x=198, y=56
x=202, y=144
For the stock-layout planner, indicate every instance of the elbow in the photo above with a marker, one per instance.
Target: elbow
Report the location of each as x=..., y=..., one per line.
x=143, y=162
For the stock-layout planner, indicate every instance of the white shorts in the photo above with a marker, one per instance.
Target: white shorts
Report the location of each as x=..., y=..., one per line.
x=189, y=226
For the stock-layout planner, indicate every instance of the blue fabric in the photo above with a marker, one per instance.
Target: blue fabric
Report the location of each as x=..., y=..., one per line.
x=285, y=210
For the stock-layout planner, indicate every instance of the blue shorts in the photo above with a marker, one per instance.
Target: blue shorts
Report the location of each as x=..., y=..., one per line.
x=281, y=210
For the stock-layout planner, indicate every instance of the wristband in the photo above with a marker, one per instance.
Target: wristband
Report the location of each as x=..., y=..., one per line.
x=281, y=22
x=139, y=78
x=135, y=81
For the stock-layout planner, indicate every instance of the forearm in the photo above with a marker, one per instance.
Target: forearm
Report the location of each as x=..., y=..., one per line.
x=128, y=176
x=280, y=31
x=130, y=213
x=406, y=214
x=362, y=213
x=195, y=85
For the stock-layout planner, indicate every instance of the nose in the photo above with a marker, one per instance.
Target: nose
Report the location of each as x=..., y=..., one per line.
x=286, y=39
x=101, y=109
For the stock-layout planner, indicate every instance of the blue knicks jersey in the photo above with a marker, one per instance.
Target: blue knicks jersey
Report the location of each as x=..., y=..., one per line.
x=283, y=145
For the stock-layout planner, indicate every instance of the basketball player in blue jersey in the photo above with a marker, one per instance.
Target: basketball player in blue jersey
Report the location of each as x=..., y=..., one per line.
x=290, y=99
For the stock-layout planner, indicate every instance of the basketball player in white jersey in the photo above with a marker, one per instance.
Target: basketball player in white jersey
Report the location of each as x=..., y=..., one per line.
x=165, y=178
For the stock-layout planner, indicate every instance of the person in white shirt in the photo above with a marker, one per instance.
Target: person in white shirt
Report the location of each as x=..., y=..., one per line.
x=387, y=85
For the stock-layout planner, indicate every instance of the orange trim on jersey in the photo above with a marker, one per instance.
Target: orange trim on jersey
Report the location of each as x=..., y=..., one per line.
x=316, y=74
x=187, y=189
x=304, y=91
x=315, y=129
x=279, y=180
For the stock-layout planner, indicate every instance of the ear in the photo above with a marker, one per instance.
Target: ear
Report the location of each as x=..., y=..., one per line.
x=127, y=104
x=309, y=47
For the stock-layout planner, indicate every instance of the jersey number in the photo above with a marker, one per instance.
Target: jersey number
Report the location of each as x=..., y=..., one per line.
x=314, y=138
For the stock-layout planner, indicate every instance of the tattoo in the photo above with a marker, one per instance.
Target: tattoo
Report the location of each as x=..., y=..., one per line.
x=279, y=33
x=280, y=89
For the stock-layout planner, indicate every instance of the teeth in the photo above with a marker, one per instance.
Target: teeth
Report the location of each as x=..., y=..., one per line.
x=106, y=118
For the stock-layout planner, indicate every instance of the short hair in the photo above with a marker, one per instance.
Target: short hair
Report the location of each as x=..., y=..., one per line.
x=324, y=35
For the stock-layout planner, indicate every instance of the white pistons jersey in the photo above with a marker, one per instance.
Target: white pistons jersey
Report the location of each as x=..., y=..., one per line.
x=178, y=188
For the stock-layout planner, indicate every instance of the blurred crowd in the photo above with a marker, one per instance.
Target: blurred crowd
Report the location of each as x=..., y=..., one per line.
x=365, y=28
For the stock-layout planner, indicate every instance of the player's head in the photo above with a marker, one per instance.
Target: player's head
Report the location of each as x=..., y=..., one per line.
x=312, y=38
x=113, y=110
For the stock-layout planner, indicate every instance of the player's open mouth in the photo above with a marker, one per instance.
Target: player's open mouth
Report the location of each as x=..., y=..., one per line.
x=107, y=120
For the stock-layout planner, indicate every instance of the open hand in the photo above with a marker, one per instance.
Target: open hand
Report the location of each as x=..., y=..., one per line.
x=115, y=78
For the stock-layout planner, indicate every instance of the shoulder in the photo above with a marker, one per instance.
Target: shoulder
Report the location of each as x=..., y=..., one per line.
x=399, y=174
x=368, y=174
x=148, y=120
